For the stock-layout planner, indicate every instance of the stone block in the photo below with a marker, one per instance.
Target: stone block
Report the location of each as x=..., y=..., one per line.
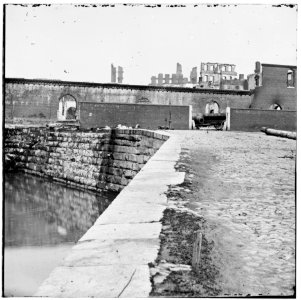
x=97, y=281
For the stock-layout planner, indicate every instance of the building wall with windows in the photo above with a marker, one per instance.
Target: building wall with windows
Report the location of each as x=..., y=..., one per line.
x=221, y=76
x=278, y=88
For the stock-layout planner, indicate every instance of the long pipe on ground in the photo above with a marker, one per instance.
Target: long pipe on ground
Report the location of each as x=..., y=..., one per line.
x=280, y=133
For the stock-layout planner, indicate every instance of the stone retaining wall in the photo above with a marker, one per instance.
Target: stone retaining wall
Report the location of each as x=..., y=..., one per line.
x=107, y=159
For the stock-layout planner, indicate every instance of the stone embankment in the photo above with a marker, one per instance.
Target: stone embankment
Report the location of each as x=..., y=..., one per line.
x=106, y=159
x=112, y=259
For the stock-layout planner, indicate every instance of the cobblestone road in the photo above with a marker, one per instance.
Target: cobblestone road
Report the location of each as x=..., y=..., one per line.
x=246, y=192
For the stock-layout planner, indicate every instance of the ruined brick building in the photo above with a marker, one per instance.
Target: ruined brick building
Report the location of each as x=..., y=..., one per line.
x=275, y=87
x=175, y=79
x=221, y=76
x=211, y=76
x=113, y=74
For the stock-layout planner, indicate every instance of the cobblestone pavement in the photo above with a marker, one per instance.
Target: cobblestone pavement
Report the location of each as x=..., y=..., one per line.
x=246, y=192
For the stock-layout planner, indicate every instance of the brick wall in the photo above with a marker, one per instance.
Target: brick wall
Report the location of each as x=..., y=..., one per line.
x=103, y=160
x=254, y=119
x=274, y=89
x=39, y=98
x=93, y=115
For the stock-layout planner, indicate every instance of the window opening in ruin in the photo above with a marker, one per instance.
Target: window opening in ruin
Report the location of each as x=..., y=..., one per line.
x=276, y=106
x=212, y=108
x=67, y=108
x=256, y=80
x=290, y=78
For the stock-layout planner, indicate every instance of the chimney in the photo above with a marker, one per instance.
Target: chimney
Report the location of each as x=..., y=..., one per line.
x=113, y=74
x=179, y=69
x=153, y=80
x=160, y=79
x=120, y=74
x=194, y=75
x=257, y=67
x=180, y=79
x=174, y=78
x=167, y=79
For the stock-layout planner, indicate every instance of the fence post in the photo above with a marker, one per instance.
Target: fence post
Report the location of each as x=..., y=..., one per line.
x=228, y=114
x=196, y=254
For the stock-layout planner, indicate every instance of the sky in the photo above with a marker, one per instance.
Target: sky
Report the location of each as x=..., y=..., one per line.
x=76, y=43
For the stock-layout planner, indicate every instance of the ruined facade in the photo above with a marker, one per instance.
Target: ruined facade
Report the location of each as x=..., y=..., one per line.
x=212, y=76
x=175, y=79
x=221, y=76
x=275, y=87
x=113, y=74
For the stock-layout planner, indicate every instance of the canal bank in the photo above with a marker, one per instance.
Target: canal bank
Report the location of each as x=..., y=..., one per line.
x=105, y=159
x=238, y=190
x=112, y=259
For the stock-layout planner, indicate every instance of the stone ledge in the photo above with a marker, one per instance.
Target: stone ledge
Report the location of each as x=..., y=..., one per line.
x=97, y=282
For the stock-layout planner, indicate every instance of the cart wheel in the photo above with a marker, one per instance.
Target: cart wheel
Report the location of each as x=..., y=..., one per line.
x=219, y=126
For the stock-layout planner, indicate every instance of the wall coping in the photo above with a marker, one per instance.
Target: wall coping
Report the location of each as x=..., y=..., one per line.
x=258, y=109
x=279, y=66
x=133, y=104
x=144, y=132
x=125, y=86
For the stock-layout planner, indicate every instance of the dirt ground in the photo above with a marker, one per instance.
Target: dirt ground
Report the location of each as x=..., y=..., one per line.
x=239, y=190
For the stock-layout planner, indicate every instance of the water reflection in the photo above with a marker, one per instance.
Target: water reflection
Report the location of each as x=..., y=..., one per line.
x=40, y=212
x=43, y=219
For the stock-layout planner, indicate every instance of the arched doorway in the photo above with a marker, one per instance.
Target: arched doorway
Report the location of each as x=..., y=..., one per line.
x=212, y=108
x=276, y=106
x=67, y=108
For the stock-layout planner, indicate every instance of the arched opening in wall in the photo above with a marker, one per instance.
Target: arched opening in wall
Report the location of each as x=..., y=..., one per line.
x=212, y=108
x=276, y=106
x=67, y=108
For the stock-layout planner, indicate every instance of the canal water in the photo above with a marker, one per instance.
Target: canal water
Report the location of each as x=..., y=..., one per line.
x=42, y=220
